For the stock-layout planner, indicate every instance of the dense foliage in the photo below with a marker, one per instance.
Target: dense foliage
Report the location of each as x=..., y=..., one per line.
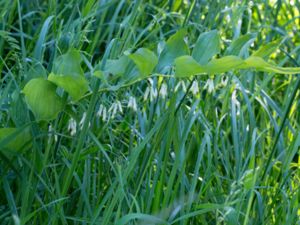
x=149, y=112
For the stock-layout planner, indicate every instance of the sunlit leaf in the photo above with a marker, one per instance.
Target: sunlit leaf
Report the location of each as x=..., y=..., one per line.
x=41, y=97
x=68, y=74
x=186, y=66
x=145, y=60
x=76, y=86
x=222, y=65
x=207, y=45
x=261, y=65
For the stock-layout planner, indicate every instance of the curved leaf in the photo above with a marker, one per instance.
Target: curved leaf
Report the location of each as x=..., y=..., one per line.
x=207, y=45
x=175, y=47
x=239, y=44
x=75, y=86
x=145, y=61
x=41, y=97
x=186, y=66
x=261, y=65
x=68, y=74
x=68, y=64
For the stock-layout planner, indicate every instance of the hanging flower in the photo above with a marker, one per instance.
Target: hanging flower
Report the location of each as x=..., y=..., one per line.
x=51, y=130
x=163, y=90
x=115, y=107
x=102, y=112
x=209, y=86
x=180, y=84
x=224, y=81
x=72, y=127
x=132, y=103
x=150, y=91
x=195, y=88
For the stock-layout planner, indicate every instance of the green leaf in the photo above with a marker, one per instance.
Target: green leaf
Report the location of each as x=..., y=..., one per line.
x=261, y=65
x=117, y=66
x=240, y=44
x=207, y=45
x=68, y=64
x=145, y=60
x=266, y=50
x=174, y=48
x=68, y=74
x=41, y=97
x=76, y=86
x=186, y=66
x=223, y=64
x=14, y=139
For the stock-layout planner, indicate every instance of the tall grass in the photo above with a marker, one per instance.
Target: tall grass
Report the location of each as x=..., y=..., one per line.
x=151, y=152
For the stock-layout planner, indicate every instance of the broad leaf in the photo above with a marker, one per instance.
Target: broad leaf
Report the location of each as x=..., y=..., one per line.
x=240, y=44
x=261, y=65
x=75, y=86
x=41, y=97
x=207, y=45
x=145, y=60
x=174, y=48
x=222, y=65
x=13, y=139
x=68, y=64
x=68, y=74
x=186, y=66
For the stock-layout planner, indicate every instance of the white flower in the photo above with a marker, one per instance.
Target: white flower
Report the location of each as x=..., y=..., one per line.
x=72, y=127
x=195, y=88
x=209, y=86
x=82, y=120
x=180, y=84
x=224, y=81
x=132, y=103
x=50, y=129
x=102, y=112
x=147, y=91
x=163, y=90
x=115, y=107
x=150, y=91
x=119, y=106
x=236, y=102
x=153, y=93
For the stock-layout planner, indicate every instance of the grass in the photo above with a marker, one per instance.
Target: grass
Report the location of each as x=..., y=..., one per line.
x=226, y=154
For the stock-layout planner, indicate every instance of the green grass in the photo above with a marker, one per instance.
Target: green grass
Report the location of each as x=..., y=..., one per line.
x=226, y=154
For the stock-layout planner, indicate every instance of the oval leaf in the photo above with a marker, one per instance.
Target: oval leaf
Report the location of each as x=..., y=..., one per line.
x=68, y=64
x=75, y=86
x=207, y=45
x=145, y=60
x=174, y=48
x=41, y=97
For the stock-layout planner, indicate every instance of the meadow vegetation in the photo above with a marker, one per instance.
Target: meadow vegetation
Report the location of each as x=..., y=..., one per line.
x=149, y=112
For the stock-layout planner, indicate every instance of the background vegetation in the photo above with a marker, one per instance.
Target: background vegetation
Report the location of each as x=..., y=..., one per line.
x=209, y=149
